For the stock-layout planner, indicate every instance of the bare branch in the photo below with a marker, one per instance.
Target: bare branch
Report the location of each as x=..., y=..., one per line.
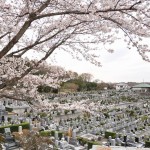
x=131, y=7
x=117, y=4
x=4, y=35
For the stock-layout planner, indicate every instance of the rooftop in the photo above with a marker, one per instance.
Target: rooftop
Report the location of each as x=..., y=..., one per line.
x=142, y=85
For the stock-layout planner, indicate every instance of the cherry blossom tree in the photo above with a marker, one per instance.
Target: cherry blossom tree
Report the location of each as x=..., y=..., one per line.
x=77, y=27
x=86, y=77
x=25, y=89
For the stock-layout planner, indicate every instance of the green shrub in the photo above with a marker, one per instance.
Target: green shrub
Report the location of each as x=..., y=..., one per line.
x=42, y=114
x=45, y=133
x=147, y=144
x=143, y=118
x=91, y=143
x=112, y=134
x=58, y=113
x=28, y=114
x=9, y=119
x=84, y=141
x=14, y=128
x=66, y=112
x=106, y=115
x=73, y=111
x=102, y=123
x=60, y=135
x=81, y=140
x=52, y=133
x=8, y=109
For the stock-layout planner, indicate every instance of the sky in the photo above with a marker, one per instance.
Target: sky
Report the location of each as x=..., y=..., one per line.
x=123, y=65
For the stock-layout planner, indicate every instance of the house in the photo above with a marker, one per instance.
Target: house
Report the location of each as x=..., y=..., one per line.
x=122, y=86
x=143, y=87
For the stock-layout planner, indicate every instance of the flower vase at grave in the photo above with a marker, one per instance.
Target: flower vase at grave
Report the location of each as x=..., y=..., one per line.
x=113, y=142
x=68, y=139
x=20, y=129
x=38, y=125
x=31, y=127
x=56, y=135
x=56, y=143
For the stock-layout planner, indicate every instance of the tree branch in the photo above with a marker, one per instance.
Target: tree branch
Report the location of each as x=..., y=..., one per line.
x=76, y=12
x=11, y=97
x=16, y=38
x=139, y=2
x=4, y=35
x=13, y=81
x=43, y=6
x=117, y=4
x=23, y=29
x=37, y=42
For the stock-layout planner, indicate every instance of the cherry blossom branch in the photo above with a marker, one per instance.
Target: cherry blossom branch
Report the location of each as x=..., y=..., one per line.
x=33, y=16
x=117, y=4
x=77, y=12
x=135, y=45
x=135, y=18
x=23, y=29
x=2, y=36
x=37, y=42
x=132, y=6
x=11, y=97
x=14, y=81
x=16, y=38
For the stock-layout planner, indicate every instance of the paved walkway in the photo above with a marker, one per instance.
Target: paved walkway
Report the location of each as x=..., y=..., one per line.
x=97, y=147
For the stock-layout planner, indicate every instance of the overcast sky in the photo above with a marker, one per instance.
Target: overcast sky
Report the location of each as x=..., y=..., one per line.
x=123, y=65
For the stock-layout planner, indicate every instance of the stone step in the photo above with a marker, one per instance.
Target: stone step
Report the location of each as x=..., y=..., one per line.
x=11, y=146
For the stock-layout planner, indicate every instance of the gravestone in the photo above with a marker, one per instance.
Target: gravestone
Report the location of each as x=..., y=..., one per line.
x=74, y=134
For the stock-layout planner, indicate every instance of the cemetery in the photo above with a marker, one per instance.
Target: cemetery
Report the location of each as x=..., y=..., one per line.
x=79, y=121
x=50, y=101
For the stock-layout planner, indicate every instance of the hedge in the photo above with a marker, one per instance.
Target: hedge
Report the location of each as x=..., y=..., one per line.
x=45, y=133
x=91, y=143
x=51, y=133
x=14, y=128
x=112, y=134
x=81, y=140
x=147, y=144
x=60, y=135
x=8, y=109
x=84, y=141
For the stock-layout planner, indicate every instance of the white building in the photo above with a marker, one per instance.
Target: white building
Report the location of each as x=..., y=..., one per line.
x=122, y=86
